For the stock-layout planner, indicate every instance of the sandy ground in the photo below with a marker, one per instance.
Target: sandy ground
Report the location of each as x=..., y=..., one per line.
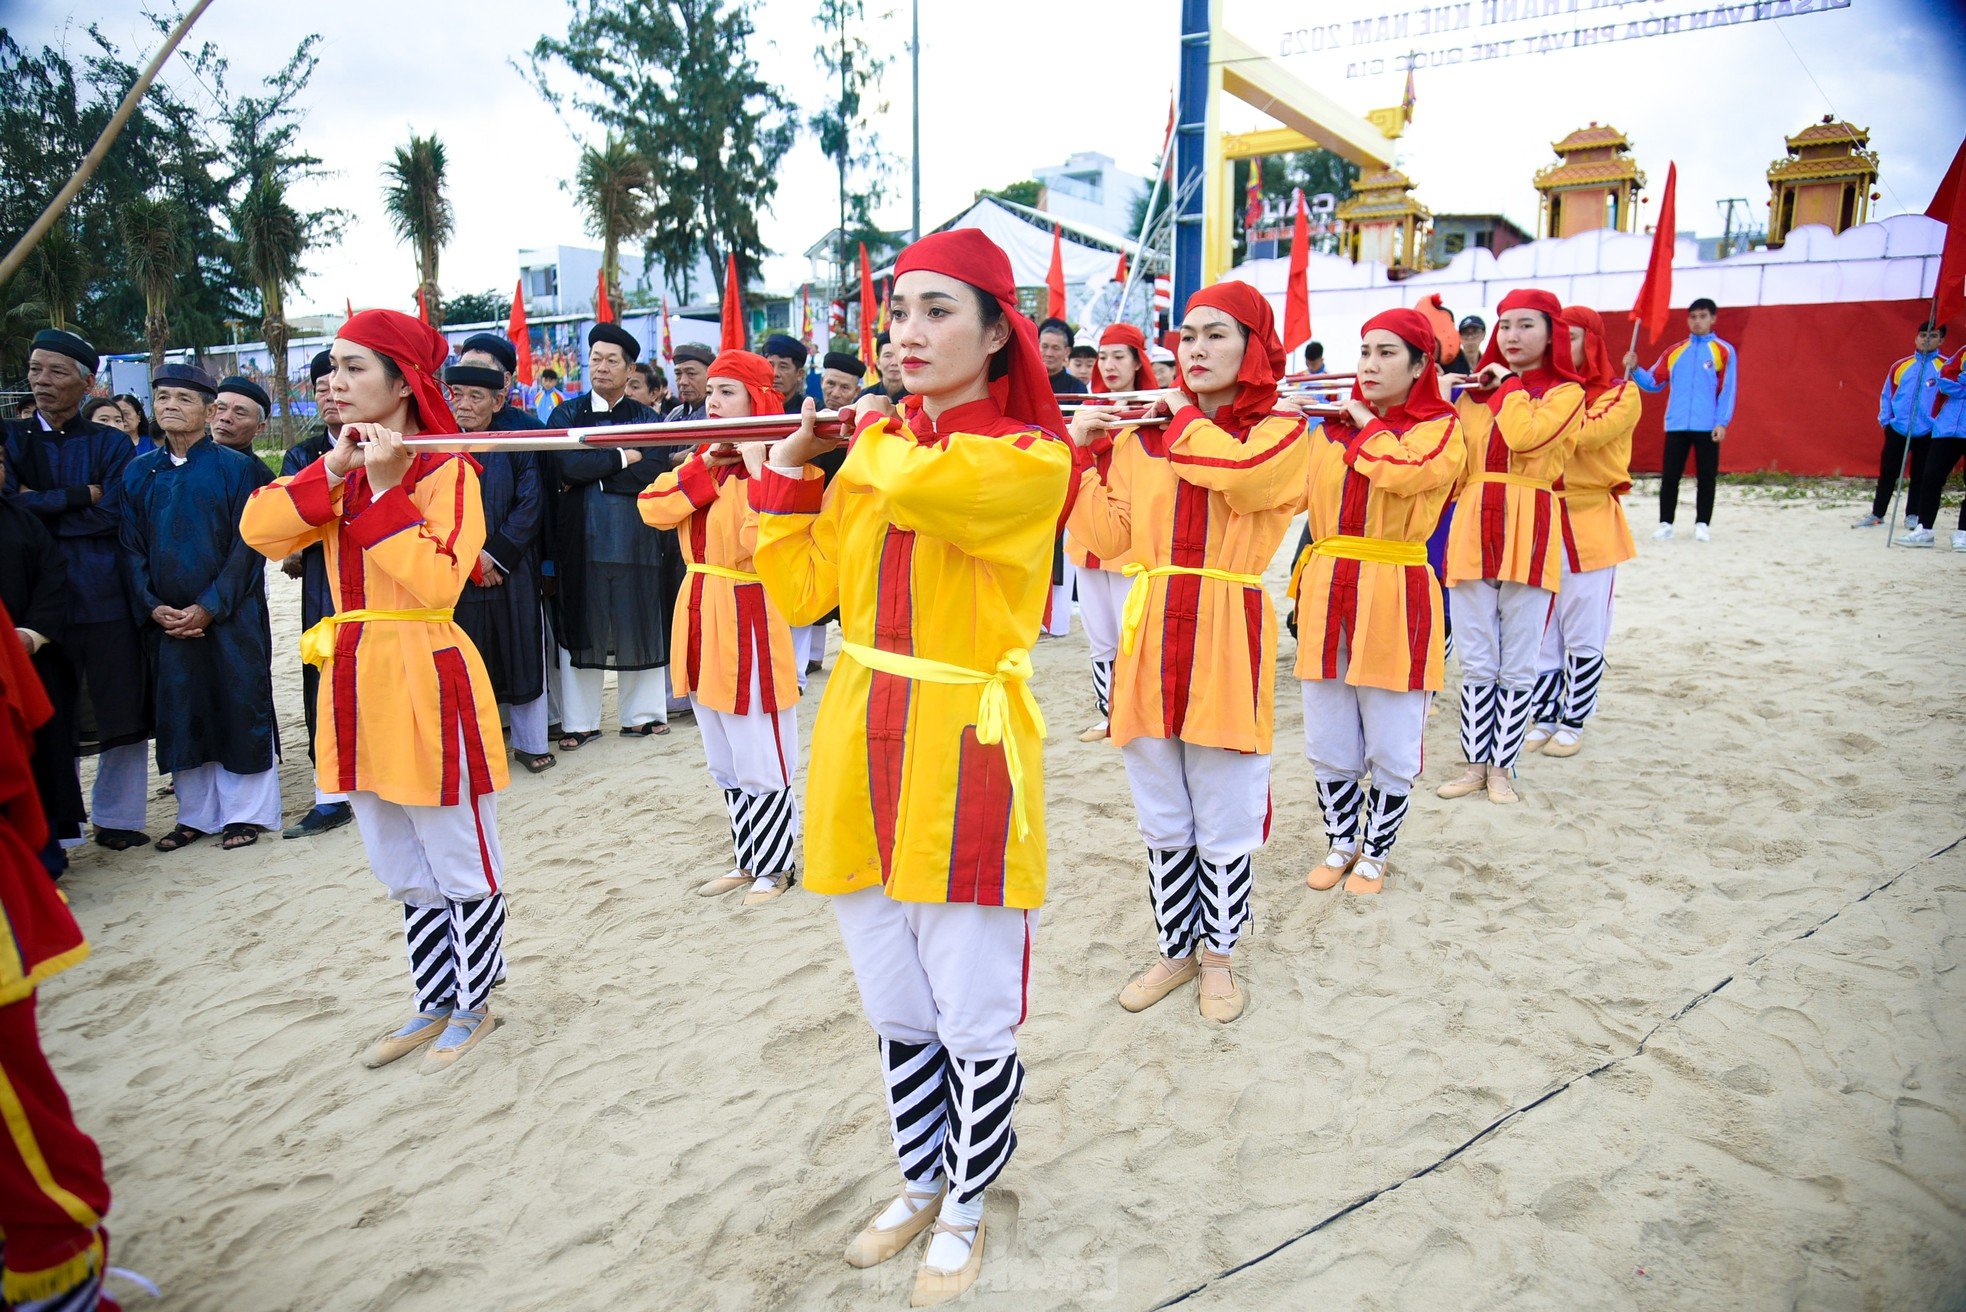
x=1684, y=1029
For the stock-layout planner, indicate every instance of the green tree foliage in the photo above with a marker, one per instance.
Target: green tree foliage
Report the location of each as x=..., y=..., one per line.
x=845, y=125
x=611, y=186
x=419, y=211
x=674, y=79
x=492, y=306
x=156, y=256
x=1028, y=192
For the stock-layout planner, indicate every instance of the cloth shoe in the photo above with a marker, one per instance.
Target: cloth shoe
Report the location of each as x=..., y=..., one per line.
x=1160, y=979
x=332, y=815
x=1472, y=779
x=1663, y=533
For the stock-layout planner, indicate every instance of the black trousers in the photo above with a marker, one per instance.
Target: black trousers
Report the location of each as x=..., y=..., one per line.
x=1889, y=461
x=1706, y=463
x=1929, y=484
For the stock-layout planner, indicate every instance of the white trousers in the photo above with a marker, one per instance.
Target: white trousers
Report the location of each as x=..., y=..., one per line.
x=940, y=972
x=1498, y=631
x=1060, y=622
x=328, y=799
x=644, y=697
x=1580, y=622
x=1351, y=731
x=529, y=722
x=428, y=855
x=756, y=753
x=1102, y=593
x=210, y=797
x=1207, y=798
x=122, y=791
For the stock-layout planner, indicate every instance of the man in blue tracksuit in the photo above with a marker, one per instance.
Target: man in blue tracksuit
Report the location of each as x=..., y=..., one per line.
x=1703, y=376
x=1904, y=412
x=1948, y=449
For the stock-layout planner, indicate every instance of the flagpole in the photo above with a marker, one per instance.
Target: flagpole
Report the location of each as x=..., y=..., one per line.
x=1146, y=222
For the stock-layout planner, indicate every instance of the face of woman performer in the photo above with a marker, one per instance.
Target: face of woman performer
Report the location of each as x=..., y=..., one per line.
x=1212, y=345
x=365, y=390
x=475, y=407
x=1119, y=367
x=1577, y=348
x=936, y=324
x=1523, y=336
x=1387, y=369
x=727, y=399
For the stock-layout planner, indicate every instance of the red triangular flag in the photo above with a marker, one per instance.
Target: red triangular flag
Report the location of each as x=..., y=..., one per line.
x=1654, y=304
x=1119, y=274
x=422, y=307
x=1297, y=292
x=868, y=308
x=1054, y=278
x=603, y=309
x=1949, y=207
x=519, y=334
x=733, y=308
x=1253, y=201
x=668, y=342
x=349, y=306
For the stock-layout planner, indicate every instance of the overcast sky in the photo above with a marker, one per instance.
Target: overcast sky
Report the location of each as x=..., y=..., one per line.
x=1017, y=84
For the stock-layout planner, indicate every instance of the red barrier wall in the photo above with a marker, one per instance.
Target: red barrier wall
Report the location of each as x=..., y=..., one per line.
x=1810, y=376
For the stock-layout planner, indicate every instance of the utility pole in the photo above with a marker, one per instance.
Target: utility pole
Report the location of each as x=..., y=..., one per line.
x=915, y=82
x=1727, y=224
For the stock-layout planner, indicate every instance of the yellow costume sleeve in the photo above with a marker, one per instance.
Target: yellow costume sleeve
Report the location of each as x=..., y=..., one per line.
x=1102, y=515
x=675, y=496
x=981, y=495
x=290, y=513
x=1531, y=423
x=1264, y=471
x=1610, y=417
x=798, y=540
x=1424, y=457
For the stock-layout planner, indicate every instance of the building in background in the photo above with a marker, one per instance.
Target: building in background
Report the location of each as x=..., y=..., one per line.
x=1090, y=188
x=1454, y=233
x=1594, y=184
x=1827, y=178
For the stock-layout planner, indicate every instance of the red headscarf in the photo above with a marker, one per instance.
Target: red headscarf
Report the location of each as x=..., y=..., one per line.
x=1424, y=402
x=1555, y=366
x=1597, y=355
x=965, y=254
x=415, y=348
x=1262, y=354
x=754, y=372
x=1125, y=334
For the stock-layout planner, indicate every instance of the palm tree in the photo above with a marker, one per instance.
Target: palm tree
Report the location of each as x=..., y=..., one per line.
x=419, y=211
x=611, y=187
x=271, y=237
x=154, y=243
x=58, y=274
x=21, y=316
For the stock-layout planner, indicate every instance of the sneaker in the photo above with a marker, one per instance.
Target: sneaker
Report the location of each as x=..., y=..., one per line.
x=1918, y=537
x=320, y=820
x=1959, y=539
x=1700, y=533
x=1869, y=521
x=1663, y=533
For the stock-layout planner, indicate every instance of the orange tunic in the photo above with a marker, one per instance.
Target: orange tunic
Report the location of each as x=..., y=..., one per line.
x=1505, y=527
x=1076, y=551
x=1596, y=534
x=1389, y=486
x=426, y=732
x=1198, y=497
x=725, y=628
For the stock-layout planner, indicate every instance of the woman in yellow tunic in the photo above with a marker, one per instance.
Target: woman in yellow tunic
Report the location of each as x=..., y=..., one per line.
x=1504, y=553
x=1370, y=620
x=1198, y=503
x=408, y=728
x=925, y=801
x=1102, y=580
x=732, y=650
x=1596, y=540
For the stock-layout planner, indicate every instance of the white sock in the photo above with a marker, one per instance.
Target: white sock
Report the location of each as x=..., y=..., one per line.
x=1568, y=736
x=903, y=1206
x=762, y=883
x=1339, y=855
x=948, y=1252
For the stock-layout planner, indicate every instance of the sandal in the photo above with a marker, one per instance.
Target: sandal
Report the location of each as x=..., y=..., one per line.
x=239, y=835
x=538, y=764
x=648, y=730
x=182, y=836
x=120, y=840
x=573, y=742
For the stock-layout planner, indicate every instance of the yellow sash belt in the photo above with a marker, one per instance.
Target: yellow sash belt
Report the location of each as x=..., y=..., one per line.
x=720, y=572
x=1380, y=551
x=1513, y=480
x=317, y=644
x=992, y=713
x=1584, y=496
x=1135, y=609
